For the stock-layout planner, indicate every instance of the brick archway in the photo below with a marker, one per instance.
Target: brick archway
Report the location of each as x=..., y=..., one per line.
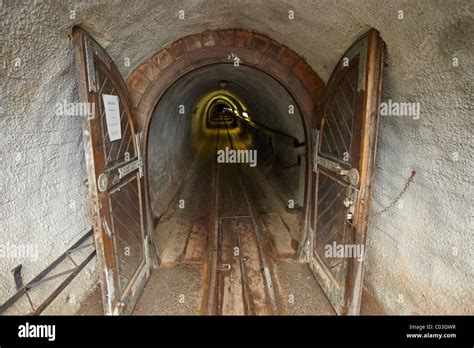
x=151, y=80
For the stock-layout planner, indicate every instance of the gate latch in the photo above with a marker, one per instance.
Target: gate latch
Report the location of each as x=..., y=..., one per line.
x=223, y=267
x=352, y=175
x=349, y=202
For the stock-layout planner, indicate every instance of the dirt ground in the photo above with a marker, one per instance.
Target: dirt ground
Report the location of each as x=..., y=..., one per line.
x=299, y=293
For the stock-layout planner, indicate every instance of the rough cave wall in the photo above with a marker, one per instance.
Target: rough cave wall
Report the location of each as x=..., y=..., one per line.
x=171, y=151
x=43, y=201
x=420, y=256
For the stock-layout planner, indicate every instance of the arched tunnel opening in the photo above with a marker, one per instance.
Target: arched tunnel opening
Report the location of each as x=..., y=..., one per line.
x=226, y=146
x=246, y=108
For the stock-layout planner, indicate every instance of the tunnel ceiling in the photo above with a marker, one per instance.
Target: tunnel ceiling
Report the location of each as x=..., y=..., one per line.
x=266, y=99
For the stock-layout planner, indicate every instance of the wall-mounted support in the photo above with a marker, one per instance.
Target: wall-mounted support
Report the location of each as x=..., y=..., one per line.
x=17, y=277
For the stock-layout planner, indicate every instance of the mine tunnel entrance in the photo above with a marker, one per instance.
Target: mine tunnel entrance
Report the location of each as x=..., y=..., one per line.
x=225, y=167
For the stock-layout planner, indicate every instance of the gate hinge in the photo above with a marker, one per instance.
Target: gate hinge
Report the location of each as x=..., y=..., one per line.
x=306, y=254
x=138, y=138
x=315, y=139
x=128, y=168
x=309, y=242
x=224, y=267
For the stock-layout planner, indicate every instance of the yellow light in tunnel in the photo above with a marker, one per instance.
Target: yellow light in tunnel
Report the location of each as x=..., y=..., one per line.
x=204, y=136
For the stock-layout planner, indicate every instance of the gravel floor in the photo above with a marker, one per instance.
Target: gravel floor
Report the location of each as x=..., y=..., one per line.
x=299, y=291
x=173, y=291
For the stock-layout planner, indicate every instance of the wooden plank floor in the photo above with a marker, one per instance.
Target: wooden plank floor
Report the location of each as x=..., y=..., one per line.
x=255, y=228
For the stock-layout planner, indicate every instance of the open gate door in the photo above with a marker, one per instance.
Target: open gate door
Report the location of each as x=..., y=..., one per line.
x=115, y=176
x=344, y=157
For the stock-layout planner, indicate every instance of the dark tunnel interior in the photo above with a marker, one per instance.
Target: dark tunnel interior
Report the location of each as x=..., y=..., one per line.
x=264, y=117
x=240, y=131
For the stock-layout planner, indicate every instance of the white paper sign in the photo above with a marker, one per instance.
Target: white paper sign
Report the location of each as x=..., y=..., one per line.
x=112, y=116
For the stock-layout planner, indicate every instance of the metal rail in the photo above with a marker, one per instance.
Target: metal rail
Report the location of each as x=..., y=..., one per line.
x=286, y=138
x=258, y=229
x=41, y=277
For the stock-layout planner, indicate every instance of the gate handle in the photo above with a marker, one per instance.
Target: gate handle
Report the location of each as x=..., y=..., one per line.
x=352, y=175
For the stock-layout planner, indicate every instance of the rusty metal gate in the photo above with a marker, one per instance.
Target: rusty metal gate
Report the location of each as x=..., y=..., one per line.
x=343, y=163
x=115, y=176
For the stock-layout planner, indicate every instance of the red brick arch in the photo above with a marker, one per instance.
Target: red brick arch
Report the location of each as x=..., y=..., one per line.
x=150, y=80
